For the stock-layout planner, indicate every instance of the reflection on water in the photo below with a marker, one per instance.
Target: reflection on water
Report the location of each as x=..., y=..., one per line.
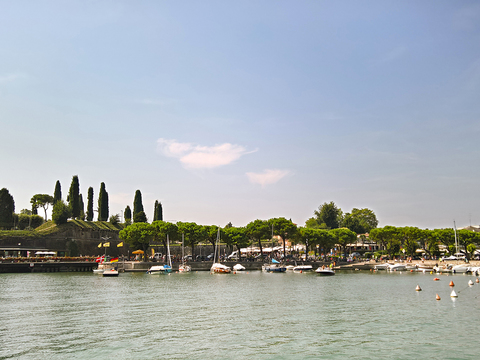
x=249, y=315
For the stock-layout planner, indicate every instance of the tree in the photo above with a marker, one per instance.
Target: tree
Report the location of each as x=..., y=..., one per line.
x=7, y=208
x=366, y=219
x=102, y=203
x=90, y=204
x=238, y=237
x=157, y=211
x=284, y=228
x=259, y=230
x=343, y=237
x=137, y=203
x=211, y=232
x=329, y=214
x=412, y=237
x=82, y=207
x=41, y=200
x=61, y=213
x=138, y=236
x=57, y=194
x=192, y=232
x=74, y=198
x=164, y=229
x=114, y=219
x=140, y=217
x=127, y=214
x=387, y=237
x=312, y=223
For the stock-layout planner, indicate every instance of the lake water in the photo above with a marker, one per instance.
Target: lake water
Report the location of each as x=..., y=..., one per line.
x=251, y=315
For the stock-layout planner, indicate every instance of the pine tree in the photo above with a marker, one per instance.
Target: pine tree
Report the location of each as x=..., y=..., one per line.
x=102, y=203
x=74, y=197
x=90, y=204
x=57, y=195
x=137, y=203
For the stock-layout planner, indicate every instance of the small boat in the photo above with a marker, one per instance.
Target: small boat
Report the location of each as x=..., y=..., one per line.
x=424, y=268
x=184, y=268
x=111, y=272
x=275, y=266
x=325, y=271
x=474, y=270
x=442, y=269
x=289, y=267
x=162, y=269
x=460, y=269
x=383, y=266
x=302, y=268
x=239, y=267
x=396, y=267
x=218, y=268
x=159, y=269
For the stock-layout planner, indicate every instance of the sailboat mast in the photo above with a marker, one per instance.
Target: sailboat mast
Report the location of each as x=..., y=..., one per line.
x=183, y=249
x=168, y=251
x=456, y=242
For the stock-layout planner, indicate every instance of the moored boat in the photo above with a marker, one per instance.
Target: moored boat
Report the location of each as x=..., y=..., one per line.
x=218, y=268
x=159, y=269
x=274, y=266
x=383, y=266
x=325, y=271
x=111, y=272
x=238, y=267
x=302, y=268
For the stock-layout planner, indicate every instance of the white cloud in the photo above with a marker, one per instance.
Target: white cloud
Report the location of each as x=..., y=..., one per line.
x=201, y=157
x=269, y=176
x=12, y=77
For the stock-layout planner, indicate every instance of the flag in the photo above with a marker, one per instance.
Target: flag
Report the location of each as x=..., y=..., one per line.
x=120, y=244
x=107, y=244
x=100, y=259
x=100, y=245
x=115, y=259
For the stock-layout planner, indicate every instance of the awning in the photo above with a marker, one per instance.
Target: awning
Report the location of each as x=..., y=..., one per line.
x=136, y=252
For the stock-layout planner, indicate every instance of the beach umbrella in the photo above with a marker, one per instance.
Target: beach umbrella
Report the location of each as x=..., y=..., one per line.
x=136, y=252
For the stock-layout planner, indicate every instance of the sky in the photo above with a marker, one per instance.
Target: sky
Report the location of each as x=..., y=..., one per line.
x=231, y=111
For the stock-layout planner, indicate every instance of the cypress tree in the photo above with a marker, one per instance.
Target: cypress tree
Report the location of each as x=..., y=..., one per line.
x=127, y=214
x=159, y=211
x=155, y=207
x=90, y=204
x=74, y=197
x=57, y=195
x=7, y=208
x=82, y=207
x=137, y=203
x=102, y=203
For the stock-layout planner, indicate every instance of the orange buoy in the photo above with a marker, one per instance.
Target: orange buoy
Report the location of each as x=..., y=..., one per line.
x=300, y=271
x=418, y=288
x=477, y=281
x=438, y=297
x=411, y=270
x=436, y=279
x=451, y=284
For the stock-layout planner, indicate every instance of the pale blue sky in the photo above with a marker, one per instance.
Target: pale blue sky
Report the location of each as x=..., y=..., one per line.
x=232, y=111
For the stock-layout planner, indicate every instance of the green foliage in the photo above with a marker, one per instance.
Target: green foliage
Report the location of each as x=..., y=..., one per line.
x=41, y=200
x=137, y=203
x=329, y=215
x=237, y=236
x=57, y=195
x=138, y=235
x=343, y=237
x=157, y=211
x=90, y=204
x=7, y=209
x=114, y=219
x=61, y=213
x=211, y=232
x=127, y=214
x=140, y=217
x=29, y=221
x=259, y=230
x=164, y=229
x=471, y=249
x=82, y=208
x=73, y=198
x=193, y=233
x=284, y=228
x=102, y=203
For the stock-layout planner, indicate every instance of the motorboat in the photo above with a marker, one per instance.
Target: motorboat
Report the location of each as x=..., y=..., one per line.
x=460, y=269
x=424, y=268
x=239, y=267
x=290, y=267
x=111, y=272
x=159, y=269
x=325, y=271
x=383, y=266
x=302, y=268
x=442, y=268
x=396, y=267
x=474, y=270
x=218, y=268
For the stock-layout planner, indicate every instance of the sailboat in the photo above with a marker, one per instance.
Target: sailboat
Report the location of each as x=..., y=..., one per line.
x=162, y=269
x=275, y=265
x=184, y=267
x=217, y=267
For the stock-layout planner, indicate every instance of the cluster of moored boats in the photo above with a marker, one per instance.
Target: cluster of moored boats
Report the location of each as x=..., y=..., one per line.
x=444, y=268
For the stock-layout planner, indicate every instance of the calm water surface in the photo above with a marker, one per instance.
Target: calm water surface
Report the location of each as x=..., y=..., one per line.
x=245, y=316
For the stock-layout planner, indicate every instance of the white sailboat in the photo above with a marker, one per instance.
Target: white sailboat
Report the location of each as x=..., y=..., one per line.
x=162, y=269
x=183, y=268
x=217, y=267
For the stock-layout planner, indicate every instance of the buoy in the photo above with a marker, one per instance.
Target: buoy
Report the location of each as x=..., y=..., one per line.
x=234, y=272
x=438, y=297
x=431, y=272
x=470, y=282
x=477, y=281
x=451, y=284
x=411, y=270
x=453, y=294
x=300, y=271
x=436, y=279
x=418, y=288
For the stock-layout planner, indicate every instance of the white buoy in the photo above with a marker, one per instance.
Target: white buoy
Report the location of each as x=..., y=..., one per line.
x=470, y=282
x=453, y=294
x=418, y=288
